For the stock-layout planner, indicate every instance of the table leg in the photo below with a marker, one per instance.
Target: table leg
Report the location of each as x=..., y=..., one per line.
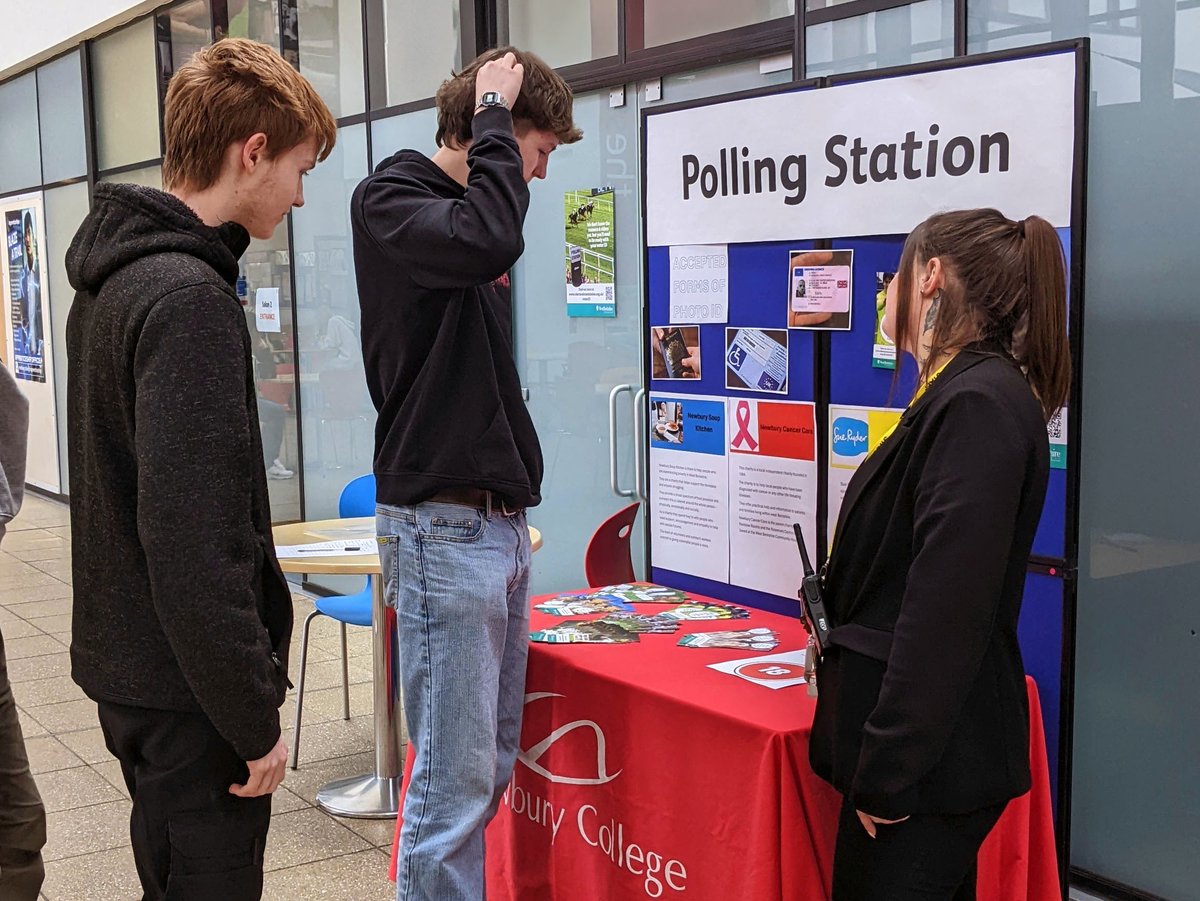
x=376, y=795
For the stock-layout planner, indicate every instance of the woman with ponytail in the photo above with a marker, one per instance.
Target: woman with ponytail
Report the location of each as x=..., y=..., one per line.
x=922, y=720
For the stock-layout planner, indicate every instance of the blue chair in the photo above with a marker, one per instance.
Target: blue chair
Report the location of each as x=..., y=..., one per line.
x=357, y=499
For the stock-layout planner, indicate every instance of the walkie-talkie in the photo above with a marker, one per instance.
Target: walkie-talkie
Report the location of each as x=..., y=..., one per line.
x=812, y=598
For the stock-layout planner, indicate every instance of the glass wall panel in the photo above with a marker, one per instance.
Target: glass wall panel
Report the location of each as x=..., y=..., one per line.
x=60, y=110
x=20, y=158
x=338, y=417
x=893, y=37
x=125, y=96
x=266, y=268
x=66, y=208
x=181, y=31
x=412, y=131
x=330, y=50
x=1135, y=796
x=150, y=177
x=254, y=19
x=667, y=21
x=564, y=32
x=422, y=45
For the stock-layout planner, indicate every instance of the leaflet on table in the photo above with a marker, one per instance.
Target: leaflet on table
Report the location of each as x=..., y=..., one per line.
x=772, y=671
x=853, y=433
x=772, y=484
x=353, y=547
x=689, y=485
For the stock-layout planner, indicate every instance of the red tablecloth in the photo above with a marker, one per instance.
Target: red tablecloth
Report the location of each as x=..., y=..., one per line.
x=646, y=774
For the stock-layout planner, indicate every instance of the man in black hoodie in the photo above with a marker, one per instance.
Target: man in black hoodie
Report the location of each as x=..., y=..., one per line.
x=457, y=459
x=182, y=616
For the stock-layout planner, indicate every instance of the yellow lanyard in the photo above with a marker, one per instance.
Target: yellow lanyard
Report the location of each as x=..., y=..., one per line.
x=916, y=397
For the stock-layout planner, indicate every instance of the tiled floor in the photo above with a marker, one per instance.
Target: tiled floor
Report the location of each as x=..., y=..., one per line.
x=309, y=853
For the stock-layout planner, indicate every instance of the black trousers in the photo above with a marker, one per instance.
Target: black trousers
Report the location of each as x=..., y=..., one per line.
x=22, y=817
x=191, y=838
x=930, y=858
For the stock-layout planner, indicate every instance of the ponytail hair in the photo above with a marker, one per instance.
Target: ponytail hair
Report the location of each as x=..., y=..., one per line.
x=1006, y=284
x=1042, y=349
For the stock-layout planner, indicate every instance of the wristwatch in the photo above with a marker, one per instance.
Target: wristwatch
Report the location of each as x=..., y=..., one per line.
x=490, y=99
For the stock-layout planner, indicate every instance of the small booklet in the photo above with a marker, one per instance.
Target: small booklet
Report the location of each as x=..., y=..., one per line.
x=707, y=611
x=760, y=639
x=583, y=631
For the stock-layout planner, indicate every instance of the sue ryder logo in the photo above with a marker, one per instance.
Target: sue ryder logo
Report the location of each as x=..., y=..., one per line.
x=849, y=436
x=531, y=756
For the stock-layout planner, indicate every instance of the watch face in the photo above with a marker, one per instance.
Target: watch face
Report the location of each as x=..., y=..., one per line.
x=492, y=98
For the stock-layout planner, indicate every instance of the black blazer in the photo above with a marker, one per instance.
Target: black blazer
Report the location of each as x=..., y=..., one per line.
x=922, y=705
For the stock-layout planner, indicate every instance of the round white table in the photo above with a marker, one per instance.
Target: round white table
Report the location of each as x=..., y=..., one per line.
x=376, y=794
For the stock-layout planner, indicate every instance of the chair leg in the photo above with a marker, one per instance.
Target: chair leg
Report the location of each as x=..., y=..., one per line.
x=300, y=688
x=345, y=678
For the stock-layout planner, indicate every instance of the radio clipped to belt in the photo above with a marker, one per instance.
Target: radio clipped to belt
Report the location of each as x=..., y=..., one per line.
x=812, y=613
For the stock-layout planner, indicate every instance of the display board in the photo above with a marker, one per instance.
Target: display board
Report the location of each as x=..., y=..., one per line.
x=774, y=221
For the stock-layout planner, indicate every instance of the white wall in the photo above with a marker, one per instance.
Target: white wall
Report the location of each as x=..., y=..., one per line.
x=36, y=30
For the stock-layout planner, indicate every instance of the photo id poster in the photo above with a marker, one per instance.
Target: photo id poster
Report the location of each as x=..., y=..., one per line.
x=689, y=485
x=853, y=433
x=772, y=484
x=590, y=253
x=820, y=289
x=700, y=283
x=756, y=359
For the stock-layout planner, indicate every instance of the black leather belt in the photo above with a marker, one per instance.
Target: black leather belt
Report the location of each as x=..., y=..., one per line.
x=481, y=498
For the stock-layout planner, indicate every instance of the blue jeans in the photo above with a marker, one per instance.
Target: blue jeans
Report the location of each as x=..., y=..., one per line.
x=459, y=580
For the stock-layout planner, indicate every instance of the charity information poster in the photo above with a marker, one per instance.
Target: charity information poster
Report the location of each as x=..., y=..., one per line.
x=590, y=253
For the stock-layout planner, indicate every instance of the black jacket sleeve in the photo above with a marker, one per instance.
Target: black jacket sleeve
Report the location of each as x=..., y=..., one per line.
x=966, y=506
x=456, y=243
x=195, y=524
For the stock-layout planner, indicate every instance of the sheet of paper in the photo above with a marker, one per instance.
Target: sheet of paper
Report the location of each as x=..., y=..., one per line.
x=756, y=359
x=350, y=547
x=700, y=283
x=773, y=671
x=772, y=484
x=266, y=309
x=853, y=433
x=689, y=485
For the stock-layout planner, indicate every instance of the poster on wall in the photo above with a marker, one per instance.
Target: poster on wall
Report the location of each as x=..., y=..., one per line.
x=853, y=433
x=883, y=352
x=590, y=253
x=819, y=289
x=689, y=485
x=675, y=352
x=700, y=283
x=23, y=282
x=756, y=359
x=28, y=346
x=772, y=484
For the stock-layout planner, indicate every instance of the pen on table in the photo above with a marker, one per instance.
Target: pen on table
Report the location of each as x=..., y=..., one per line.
x=309, y=550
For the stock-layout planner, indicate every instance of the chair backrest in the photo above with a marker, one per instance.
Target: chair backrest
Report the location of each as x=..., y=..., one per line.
x=358, y=498
x=608, y=560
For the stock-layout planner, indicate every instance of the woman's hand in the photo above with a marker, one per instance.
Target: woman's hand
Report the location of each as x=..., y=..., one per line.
x=869, y=822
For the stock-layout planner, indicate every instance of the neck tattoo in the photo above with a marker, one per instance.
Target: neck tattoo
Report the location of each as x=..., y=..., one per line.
x=931, y=313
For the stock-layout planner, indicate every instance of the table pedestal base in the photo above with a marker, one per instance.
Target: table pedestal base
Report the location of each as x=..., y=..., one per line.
x=367, y=797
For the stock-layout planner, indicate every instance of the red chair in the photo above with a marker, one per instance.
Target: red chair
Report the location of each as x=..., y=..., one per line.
x=608, y=560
